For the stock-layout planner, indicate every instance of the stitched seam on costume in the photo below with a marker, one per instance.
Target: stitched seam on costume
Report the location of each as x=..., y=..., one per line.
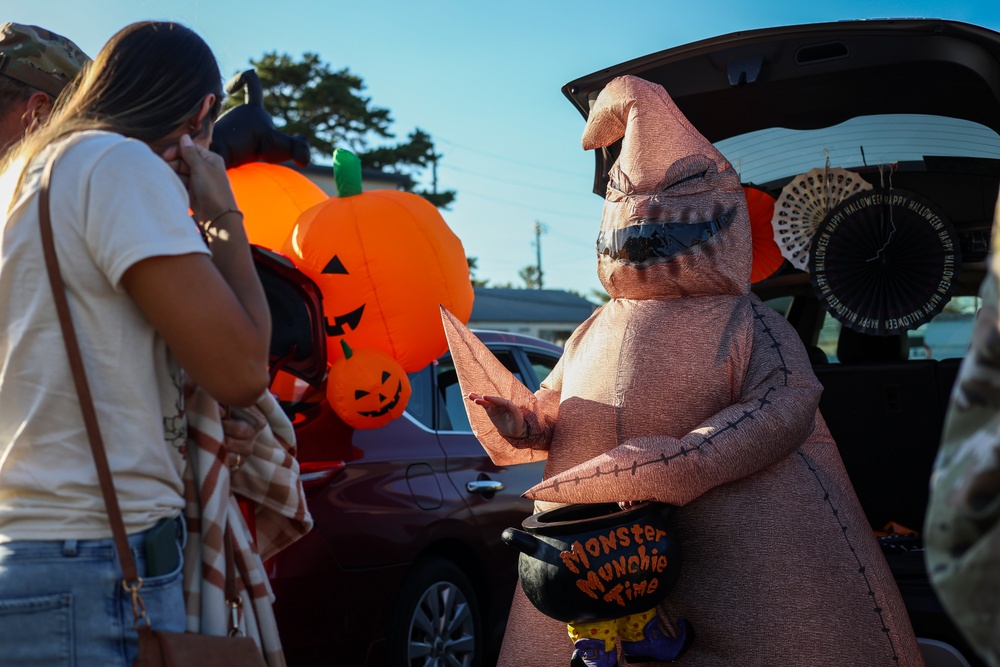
x=684, y=451
x=775, y=344
x=862, y=569
x=663, y=458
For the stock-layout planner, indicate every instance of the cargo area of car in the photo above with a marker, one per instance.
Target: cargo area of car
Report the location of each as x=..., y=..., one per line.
x=886, y=398
x=886, y=410
x=896, y=409
x=887, y=416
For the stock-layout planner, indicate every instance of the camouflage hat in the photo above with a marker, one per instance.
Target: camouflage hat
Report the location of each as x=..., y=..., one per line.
x=39, y=58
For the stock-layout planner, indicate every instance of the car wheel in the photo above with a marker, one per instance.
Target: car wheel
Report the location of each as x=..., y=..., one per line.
x=437, y=622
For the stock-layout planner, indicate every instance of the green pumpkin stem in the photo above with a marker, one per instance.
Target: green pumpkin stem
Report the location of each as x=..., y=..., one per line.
x=348, y=353
x=346, y=173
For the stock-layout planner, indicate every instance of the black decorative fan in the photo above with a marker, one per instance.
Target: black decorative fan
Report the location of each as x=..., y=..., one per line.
x=884, y=261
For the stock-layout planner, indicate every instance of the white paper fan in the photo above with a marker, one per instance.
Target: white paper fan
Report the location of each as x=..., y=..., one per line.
x=804, y=203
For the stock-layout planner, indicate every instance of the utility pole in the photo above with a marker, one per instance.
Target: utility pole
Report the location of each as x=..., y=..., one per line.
x=540, y=229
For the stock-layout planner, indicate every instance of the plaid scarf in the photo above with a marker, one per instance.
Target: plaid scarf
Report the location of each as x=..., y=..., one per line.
x=269, y=480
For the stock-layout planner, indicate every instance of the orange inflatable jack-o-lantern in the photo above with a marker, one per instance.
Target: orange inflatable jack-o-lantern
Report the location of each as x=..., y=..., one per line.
x=386, y=261
x=271, y=197
x=367, y=388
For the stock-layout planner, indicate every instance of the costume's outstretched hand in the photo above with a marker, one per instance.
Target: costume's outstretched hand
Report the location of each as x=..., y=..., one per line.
x=486, y=382
x=506, y=416
x=247, y=134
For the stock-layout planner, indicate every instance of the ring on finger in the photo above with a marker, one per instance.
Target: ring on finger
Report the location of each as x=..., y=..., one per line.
x=237, y=464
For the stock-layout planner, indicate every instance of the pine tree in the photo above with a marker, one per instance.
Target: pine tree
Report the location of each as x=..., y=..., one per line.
x=328, y=106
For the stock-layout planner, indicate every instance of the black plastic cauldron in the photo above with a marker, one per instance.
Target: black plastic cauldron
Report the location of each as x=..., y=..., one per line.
x=593, y=562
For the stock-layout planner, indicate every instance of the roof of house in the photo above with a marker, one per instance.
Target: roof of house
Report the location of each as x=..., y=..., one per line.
x=501, y=304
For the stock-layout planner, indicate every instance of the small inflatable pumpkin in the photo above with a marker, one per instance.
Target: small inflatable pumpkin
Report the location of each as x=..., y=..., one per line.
x=271, y=197
x=386, y=261
x=367, y=388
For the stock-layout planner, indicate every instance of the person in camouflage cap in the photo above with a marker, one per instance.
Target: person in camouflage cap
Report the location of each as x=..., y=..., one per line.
x=35, y=66
x=962, y=531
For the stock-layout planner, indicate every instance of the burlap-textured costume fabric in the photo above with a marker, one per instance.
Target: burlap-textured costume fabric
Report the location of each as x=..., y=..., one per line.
x=962, y=532
x=686, y=389
x=270, y=479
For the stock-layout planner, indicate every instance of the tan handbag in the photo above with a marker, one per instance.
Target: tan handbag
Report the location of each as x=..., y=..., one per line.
x=156, y=648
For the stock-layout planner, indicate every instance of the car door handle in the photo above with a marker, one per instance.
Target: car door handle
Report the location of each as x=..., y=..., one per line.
x=484, y=486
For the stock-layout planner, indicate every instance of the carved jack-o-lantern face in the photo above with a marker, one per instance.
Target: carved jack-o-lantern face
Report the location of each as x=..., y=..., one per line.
x=338, y=325
x=367, y=388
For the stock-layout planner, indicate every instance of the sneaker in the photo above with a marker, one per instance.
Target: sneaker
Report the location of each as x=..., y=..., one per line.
x=591, y=653
x=656, y=646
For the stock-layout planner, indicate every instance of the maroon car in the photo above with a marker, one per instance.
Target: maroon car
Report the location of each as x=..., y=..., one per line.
x=405, y=562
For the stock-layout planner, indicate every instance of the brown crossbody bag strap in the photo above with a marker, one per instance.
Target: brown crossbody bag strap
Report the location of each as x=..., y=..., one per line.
x=132, y=581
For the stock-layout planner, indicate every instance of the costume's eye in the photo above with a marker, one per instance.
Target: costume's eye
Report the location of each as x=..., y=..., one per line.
x=360, y=394
x=687, y=179
x=688, y=175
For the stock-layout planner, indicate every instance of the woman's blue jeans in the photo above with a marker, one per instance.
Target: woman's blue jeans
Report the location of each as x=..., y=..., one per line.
x=62, y=603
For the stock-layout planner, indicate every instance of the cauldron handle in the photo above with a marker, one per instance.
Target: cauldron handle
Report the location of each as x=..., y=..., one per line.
x=520, y=540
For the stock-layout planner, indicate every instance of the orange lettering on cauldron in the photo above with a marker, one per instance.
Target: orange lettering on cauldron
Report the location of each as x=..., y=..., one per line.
x=574, y=556
x=605, y=544
x=589, y=584
x=643, y=560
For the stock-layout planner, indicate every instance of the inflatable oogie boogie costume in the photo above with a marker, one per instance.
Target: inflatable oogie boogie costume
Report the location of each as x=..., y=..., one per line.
x=687, y=390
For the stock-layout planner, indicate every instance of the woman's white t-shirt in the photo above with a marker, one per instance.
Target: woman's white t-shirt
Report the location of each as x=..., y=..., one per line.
x=113, y=203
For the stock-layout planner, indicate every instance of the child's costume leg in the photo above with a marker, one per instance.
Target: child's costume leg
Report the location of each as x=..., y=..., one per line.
x=630, y=627
x=644, y=641
x=595, y=644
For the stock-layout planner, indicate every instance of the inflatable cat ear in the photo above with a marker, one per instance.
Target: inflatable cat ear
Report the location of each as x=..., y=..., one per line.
x=655, y=134
x=480, y=372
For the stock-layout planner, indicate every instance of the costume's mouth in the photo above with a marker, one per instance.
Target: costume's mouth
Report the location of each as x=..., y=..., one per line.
x=658, y=240
x=384, y=410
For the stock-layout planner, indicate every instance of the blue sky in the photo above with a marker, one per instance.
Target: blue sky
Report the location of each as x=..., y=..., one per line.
x=484, y=80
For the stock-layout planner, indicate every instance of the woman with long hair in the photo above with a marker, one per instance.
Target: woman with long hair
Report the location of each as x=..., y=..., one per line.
x=150, y=291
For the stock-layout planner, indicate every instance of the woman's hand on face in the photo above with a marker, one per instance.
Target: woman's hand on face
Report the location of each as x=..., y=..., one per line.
x=506, y=416
x=172, y=156
x=204, y=174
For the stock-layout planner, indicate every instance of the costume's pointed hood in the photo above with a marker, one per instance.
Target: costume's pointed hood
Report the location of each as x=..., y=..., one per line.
x=675, y=217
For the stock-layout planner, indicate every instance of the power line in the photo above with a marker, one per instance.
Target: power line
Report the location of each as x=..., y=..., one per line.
x=532, y=186
x=496, y=156
x=557, y=212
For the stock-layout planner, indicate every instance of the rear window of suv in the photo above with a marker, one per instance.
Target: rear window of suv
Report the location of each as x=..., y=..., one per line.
x=765, y=156
x=946, y=336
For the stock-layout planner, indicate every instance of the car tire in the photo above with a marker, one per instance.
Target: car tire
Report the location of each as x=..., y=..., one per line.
x=437, y=620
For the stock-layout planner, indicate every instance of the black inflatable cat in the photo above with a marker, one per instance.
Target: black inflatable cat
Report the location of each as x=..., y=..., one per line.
x=247, y=134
